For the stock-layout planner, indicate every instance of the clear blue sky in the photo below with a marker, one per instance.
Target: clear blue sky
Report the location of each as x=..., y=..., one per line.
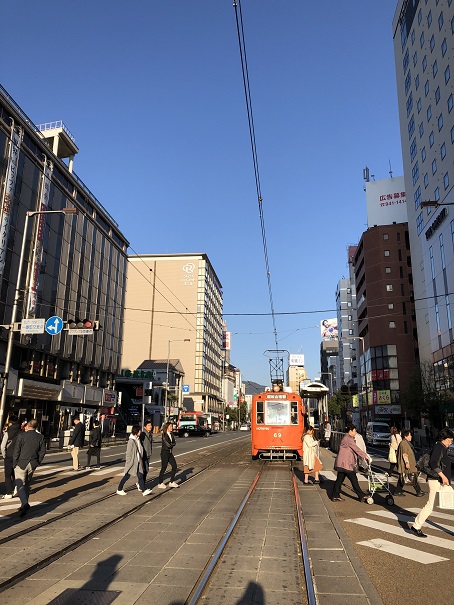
x=153, y=93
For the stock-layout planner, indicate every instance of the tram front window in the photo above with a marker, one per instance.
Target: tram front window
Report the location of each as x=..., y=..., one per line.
x=277, y=412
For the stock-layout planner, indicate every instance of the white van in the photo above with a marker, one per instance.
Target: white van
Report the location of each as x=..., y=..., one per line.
x=378, y=433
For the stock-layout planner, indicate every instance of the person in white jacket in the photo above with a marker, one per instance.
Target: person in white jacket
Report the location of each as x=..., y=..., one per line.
x=310, y=458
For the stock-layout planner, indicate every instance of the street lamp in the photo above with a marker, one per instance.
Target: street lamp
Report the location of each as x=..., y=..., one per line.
x=9, y=347
x=166, y=411
x=361, y=338
x=433, y=204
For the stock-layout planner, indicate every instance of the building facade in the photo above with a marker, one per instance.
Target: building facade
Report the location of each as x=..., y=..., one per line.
x=386, y=320
x=346, y=321
x=73, y=268
x=174, y=310
x=424, y=55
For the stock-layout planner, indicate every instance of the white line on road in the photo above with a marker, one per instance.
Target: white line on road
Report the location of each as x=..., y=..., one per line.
x=409, y=519
x=403, y=551
x=14, y=507
x=106, y=471
x=448, y=516
x=49, y=471
x=400, y=531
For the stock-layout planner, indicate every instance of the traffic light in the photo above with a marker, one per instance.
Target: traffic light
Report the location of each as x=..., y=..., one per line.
x=82, y=326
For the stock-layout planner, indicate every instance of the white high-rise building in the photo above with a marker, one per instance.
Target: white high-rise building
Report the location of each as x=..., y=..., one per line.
x=424, y=52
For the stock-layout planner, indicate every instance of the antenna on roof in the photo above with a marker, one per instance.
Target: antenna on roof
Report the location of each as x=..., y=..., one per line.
x=390, y=169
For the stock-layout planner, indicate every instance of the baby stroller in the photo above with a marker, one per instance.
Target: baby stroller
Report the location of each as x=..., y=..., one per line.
x=378, y=482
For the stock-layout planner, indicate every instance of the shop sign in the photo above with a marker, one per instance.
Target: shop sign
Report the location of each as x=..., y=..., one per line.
x=142, y=374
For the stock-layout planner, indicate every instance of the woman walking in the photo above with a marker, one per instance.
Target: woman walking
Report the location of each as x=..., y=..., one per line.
x=441, y=475
x=310, y=458
x=94, y=445
x=167, y=457
x=406, y=465
x=393, y=445
x=134, y=462
x=345, y=464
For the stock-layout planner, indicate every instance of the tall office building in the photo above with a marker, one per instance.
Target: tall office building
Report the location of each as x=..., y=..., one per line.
x=424, y=54
x=347, y=373
x=174, y=311
x=72, y=267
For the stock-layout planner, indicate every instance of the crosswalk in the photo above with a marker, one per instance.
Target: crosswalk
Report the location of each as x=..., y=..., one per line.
x=395, y=524
x=9, y=507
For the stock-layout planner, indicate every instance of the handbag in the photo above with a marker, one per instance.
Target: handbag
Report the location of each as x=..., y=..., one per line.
x=392, y=455
x=446, y=497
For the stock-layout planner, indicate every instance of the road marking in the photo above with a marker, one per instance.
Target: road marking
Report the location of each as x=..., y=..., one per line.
x=329, y=475
x=4, y=503
x=448, y=516
x=409, y=519
x=108, y=470
x=49, y=471
x=400, y=531
x=403, y=551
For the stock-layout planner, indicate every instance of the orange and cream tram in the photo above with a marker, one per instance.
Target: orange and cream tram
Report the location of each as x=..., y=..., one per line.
x=277, y=425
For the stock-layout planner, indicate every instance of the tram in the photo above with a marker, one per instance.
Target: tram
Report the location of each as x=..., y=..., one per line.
x=277, y=425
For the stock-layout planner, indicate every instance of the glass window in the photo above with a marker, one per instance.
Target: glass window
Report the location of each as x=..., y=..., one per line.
x=446, y=180
x=431, y=138
x=447, y=74
x=424, y=64
x=452, y=134
x=432, y=42
x=429, y=18
x=432, y=263
x=387, y=269
x=423, y=154
x=417, y=82
x=437, y=318
x=390, y=305
x=389, y=287
x=448, y=311
x=385, y=236
x=415, y=172
x=421, y=39
x=443, y=151
x=392, y=324
x=426, y=88
x=407, y=82
x=411, y=127
x=429, y=112
x=437, y=94
x=434, y=166
x=415, y=58
x=440, y=122
x=419, y=223
x=406, y=60
x=413, y=150
x=440, y=21
x=418, y=105
x=444, y=47
x=417, y=198
x=386, y=252
x=409, y=104
x=426, y=180
x=442, y=251
x=421, y=130
x=437, y=194
x=277, y=412
x=435, y=68
x=450, y=103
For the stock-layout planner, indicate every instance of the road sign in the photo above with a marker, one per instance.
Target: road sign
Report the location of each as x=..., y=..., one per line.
x=54, y=325
x=32, y=326
x=185, y=388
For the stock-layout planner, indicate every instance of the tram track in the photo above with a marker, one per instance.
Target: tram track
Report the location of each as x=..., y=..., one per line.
x=222, y=453
x=201, y=590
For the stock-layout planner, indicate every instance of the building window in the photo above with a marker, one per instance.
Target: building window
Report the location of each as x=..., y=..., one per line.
x=442, y=252
x=429, y=19
x=349, y=290
x=450, y=103
x=413, y=150
x=437, y=95
x=432, y=43
x=434, y=166
x=452, y=233
x=409, y=104
x=387, y=269
x=392, y=324
x=423, y=154
x=437, y=319
x=350, y=318
x=446, y=180
x=417, y=86
x=389, y=288
x=426, y=88
x=406, y=60
x=429, y=112
x=411, y=127
x=419, y=223
x=426, y=180
x=435, y=68
x=415, y=173
x=386, y=252
x=431, y=139
x=417, y=198
x=424, y=63
x=437, y=194
x=421, y=39
x=385, y=236
x=440, y=122
x=432, y=263
x=440, y=21
x=447, y=74
x=421, y=130
x=408, y=82
x=444, y=47
x=390, y=305
x=443, y=151
x=448, y=311
x=349, y=303
x=415, y=59
x=452, y=134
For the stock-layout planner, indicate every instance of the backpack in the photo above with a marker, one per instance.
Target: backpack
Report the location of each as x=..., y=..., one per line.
x=423, y=466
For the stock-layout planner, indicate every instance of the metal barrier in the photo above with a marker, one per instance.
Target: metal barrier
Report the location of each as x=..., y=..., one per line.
x=335, y=439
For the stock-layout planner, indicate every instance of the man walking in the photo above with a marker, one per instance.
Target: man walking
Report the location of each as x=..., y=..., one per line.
x=146, y=438
x=8, y=443
x=76, y=441
x=29, y=452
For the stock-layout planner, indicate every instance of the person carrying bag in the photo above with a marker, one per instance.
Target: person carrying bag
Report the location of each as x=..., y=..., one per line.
x=406, y=465
x=393, y=446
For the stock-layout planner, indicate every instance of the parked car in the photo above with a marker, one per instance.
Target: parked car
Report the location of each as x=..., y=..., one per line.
x=245, y=427
x=378, y=433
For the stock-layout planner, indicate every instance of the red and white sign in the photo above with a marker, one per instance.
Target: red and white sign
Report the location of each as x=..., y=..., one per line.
x=386, y=202
x=226, y=340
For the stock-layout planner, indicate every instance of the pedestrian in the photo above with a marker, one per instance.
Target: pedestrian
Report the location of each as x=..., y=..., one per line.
x=167, y=457
x=146, y=439
x=346, y=464
x=7, y=448
x=94, y=445
x=327, y=433
x=310, y=459
x=29, y=451
x=393, y=445
x=406, y=465
x=76, y=441
x=440, y=465
x=134, y=463
x=359, y=440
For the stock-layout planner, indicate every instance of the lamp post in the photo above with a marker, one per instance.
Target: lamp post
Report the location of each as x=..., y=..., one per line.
x=361, y=338
x=433, y=204
x=166, y=411
x=9, y=346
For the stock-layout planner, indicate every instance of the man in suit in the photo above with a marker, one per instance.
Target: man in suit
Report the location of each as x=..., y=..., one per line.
x=29, y=451
x=76, y=441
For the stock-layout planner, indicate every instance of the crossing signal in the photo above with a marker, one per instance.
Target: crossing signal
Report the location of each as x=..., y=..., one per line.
x=82, y=326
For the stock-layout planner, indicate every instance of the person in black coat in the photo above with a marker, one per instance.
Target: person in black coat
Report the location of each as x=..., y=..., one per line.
x=94, y=445
x=146, y=439
x=76, y=441
x=8, y=442
x=29, y=451
x=168, y=443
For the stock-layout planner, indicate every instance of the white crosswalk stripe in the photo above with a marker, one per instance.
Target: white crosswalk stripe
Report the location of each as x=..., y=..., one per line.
x=409, y=519
x=108, y=470
x=49, y=471
x=13, y=507
x=403, y=551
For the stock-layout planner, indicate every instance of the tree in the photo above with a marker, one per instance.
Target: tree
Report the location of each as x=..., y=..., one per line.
x=337, y=404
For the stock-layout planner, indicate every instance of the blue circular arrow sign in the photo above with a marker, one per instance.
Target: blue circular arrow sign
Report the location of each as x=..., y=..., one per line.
x=54, y=325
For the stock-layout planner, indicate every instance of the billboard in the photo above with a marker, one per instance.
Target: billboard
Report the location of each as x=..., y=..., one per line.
x=386, y=202
x=226, y=340
x=296, y=359
x=328, y=329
